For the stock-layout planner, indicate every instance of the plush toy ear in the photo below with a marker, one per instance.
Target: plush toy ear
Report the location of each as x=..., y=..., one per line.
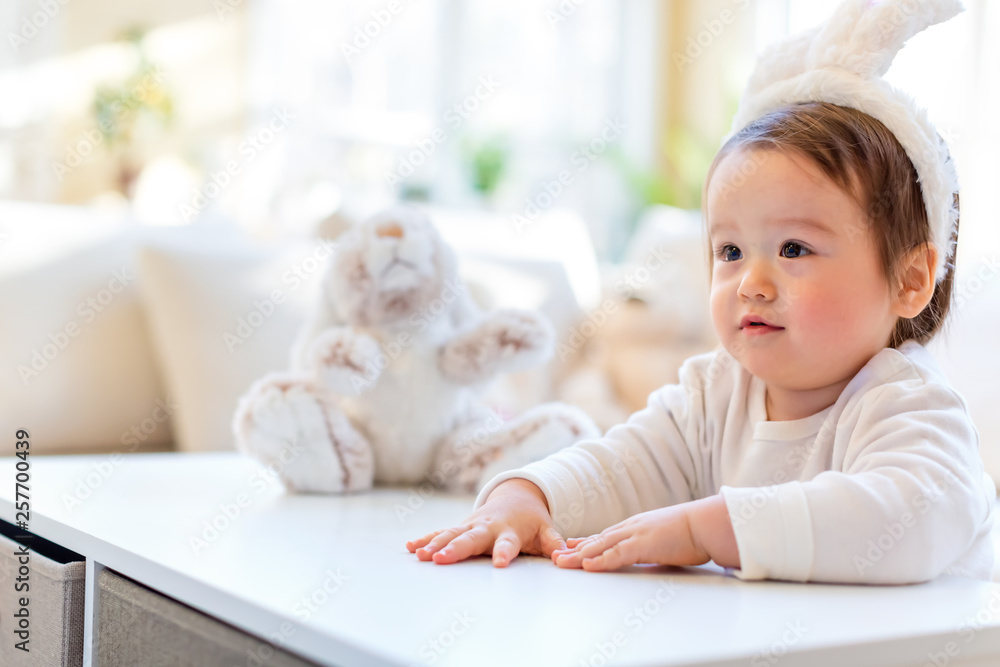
x=864, y=36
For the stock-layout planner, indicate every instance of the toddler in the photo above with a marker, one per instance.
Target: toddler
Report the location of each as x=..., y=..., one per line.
x=820, y=442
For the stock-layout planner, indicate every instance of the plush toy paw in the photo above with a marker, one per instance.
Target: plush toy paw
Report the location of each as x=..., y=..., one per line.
x=532, y=436
x=345, y=360
x=507, y=341
x=462, y=453
x=477, y=451
x=289, y=424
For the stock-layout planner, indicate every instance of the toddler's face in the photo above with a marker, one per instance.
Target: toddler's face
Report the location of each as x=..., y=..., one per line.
x=794, y=250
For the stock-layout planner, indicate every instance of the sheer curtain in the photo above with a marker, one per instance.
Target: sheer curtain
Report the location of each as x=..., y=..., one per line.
x=422, y=92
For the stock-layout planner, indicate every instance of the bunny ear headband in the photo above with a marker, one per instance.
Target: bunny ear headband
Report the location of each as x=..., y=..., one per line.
x=842, y=62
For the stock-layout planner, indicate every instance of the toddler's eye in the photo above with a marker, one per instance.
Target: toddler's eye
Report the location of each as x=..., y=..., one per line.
x=791, y=250
x=728, y=253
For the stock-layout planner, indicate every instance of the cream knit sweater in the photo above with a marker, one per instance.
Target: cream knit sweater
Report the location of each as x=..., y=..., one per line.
x=884, y=486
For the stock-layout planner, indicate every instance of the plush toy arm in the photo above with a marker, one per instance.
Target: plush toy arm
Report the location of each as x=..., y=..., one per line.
x=506, y=341
x=321, y=318
x=345, y=360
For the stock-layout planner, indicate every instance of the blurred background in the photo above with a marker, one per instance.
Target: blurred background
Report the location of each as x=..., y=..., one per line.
x=138, y=103
x=147, y=137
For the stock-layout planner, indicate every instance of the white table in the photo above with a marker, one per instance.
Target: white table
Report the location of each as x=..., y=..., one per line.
x=376, y=604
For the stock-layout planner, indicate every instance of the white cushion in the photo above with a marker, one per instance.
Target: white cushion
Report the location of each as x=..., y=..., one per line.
x=76, y=366
x=558, y=235
x=223, y=312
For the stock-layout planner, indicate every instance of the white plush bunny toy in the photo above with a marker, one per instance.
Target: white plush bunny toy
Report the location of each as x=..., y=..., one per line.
x=384, y=380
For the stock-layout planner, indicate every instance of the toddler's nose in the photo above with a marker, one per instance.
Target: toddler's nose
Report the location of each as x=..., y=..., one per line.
x=757, y=283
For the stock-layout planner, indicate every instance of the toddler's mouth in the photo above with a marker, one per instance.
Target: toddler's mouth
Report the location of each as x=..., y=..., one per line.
x=757, y=322
x=760, y=330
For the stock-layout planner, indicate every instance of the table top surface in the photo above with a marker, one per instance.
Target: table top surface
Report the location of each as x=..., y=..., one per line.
x=329, y=577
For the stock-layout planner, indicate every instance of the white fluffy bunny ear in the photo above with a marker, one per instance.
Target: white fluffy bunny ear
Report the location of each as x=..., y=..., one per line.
x=781, y=60
x=842, y=62
x=863, y=36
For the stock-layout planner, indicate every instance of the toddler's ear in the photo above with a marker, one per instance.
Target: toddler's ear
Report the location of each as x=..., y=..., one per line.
x=916, y=281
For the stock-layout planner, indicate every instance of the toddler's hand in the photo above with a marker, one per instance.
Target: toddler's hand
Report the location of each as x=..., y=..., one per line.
x=661, y=536
x=514, y=519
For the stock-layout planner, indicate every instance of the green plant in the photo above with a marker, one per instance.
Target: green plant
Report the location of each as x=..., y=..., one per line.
x=685, y=155
x=119, y=108
x=487, y=161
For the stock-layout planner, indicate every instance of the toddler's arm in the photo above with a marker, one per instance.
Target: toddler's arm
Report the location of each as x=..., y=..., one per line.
x=652, y=461
x=687, y=534
x=909, y=499
x=656, y=459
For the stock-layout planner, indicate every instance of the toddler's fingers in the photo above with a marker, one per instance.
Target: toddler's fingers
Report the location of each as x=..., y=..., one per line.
x=602, y=543
x=413, y=545
x=470, y=543
x=617, y=556
x=569, y=559
x=551, y=541
x=573, y=546
x=440, y=540
x=506, y=548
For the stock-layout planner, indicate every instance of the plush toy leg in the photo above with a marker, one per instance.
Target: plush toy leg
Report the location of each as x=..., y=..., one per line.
x=464, y=453
x=532, y=436
x=480, y=451
x=288, y=423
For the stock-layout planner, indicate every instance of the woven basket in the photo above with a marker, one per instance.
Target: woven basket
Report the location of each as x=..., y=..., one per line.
x=56, y=592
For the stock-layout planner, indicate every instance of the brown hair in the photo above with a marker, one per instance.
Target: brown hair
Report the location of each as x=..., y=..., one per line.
x=860, y=155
